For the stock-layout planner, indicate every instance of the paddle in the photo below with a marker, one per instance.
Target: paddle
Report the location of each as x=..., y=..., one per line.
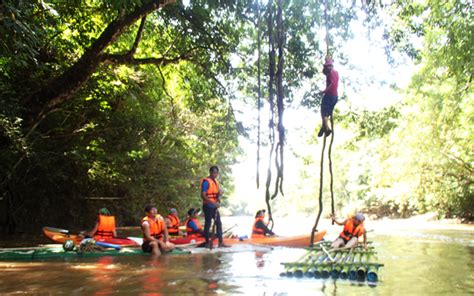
x=229, y=229
x=54, y=229
x=107, y=245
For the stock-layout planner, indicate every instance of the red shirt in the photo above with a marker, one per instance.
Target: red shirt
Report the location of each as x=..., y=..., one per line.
x=332, y=80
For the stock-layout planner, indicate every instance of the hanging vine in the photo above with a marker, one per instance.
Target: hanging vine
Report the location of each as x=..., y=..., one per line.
x=321, y=175
x=280, y=106
x=315, y=227
x=271, y=124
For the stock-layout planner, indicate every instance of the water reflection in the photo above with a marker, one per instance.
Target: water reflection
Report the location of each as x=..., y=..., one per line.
x=422, y=264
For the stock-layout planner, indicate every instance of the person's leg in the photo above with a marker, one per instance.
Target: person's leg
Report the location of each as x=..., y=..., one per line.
x=218, y=226
x=208, y=216
x=324, y=115
x=166, y=247
x=326, y=126
x=155, y=249
x=219, y=231
x=339, y=242
x=331, y=103
x=352, y=242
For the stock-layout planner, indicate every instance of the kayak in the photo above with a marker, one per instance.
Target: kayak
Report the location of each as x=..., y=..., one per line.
x=298, y=241
x=59, y=235
x=38, y=253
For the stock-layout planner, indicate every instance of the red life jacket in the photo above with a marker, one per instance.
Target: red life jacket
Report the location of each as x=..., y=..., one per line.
x=350, y=231
x=190, y=231
x=213, y=190
x=106, y=227
x=157, y=226
x=257, y=232
x=174, y=227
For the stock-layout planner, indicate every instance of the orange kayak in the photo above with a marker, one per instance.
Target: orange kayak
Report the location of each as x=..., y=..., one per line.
x=59, y=235
x=298, y=241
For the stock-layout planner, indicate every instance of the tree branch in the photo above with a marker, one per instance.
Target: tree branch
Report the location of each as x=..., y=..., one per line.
x=130, y=60
x=138, y=37
x=63, y=87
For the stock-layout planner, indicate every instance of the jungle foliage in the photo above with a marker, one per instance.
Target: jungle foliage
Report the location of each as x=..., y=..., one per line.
x=129, y=100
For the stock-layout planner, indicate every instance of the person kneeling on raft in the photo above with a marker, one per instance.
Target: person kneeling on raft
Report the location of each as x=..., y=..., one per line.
x=353, y=229
x=260, y=228
x=155, y=234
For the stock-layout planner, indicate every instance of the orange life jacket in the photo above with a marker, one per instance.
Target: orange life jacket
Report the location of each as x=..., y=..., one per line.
x=213, y=190
x=257, y=232
x=106, y=227
x=350, y=231
x=174, y=227
x=191, y=232
x=157, y=226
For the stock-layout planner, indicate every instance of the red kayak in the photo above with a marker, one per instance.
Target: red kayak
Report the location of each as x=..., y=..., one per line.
x=59, y=235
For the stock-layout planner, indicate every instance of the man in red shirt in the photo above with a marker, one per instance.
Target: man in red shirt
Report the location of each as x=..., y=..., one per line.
x=330, y=96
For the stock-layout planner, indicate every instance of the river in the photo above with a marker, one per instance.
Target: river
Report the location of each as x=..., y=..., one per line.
x=418, y=260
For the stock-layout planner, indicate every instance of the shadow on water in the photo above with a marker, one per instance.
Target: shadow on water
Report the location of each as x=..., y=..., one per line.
x=416, y=263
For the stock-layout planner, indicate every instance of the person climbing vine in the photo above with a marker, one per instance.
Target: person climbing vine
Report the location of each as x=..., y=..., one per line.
x=330, y=96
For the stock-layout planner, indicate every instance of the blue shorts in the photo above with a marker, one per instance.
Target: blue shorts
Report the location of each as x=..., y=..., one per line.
x=327, y=105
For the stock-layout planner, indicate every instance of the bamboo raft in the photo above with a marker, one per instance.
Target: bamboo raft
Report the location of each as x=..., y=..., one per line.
x=357, y=264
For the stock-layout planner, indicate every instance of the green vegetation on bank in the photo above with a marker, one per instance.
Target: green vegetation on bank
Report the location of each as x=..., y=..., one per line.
x=130, y=100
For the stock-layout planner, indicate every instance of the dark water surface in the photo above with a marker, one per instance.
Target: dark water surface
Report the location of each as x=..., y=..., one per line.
x=421, y=262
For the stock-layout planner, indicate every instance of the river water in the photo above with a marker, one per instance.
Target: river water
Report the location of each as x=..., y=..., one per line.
x=417, y=261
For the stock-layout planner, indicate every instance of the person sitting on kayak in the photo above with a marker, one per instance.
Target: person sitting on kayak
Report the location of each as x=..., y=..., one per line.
x=353, y=229
x=173, y=222
x=104, y=227
x=193, y=225
x=155, y=234
x=260, y=228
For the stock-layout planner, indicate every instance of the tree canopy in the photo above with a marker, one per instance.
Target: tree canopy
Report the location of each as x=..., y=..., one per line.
x=123, y=103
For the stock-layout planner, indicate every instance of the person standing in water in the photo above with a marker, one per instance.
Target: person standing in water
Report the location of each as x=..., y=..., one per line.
x=210, y=194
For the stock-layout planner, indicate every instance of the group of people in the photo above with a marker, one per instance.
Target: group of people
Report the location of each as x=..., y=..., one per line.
x=156, y=229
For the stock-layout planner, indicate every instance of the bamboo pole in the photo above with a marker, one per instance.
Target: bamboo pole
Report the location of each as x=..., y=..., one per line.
x=353, y=269
x=361, y=271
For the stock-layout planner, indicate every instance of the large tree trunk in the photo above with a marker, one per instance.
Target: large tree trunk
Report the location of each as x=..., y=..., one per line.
x=63, y=87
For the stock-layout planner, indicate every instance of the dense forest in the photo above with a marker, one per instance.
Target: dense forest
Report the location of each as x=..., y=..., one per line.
x=119, y=103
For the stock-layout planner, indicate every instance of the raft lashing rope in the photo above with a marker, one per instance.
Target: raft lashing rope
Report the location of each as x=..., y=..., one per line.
x=357, y=264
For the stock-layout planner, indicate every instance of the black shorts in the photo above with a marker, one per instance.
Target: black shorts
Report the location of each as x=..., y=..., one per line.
x=327, y=105
x=147, y=248
x=344, y=240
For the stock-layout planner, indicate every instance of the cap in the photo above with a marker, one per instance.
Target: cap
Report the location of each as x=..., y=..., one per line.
x=258, y=213
x=104, y=211
x=193, y=211
x=328, y=62
x=173, y=210
x=359, y=217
